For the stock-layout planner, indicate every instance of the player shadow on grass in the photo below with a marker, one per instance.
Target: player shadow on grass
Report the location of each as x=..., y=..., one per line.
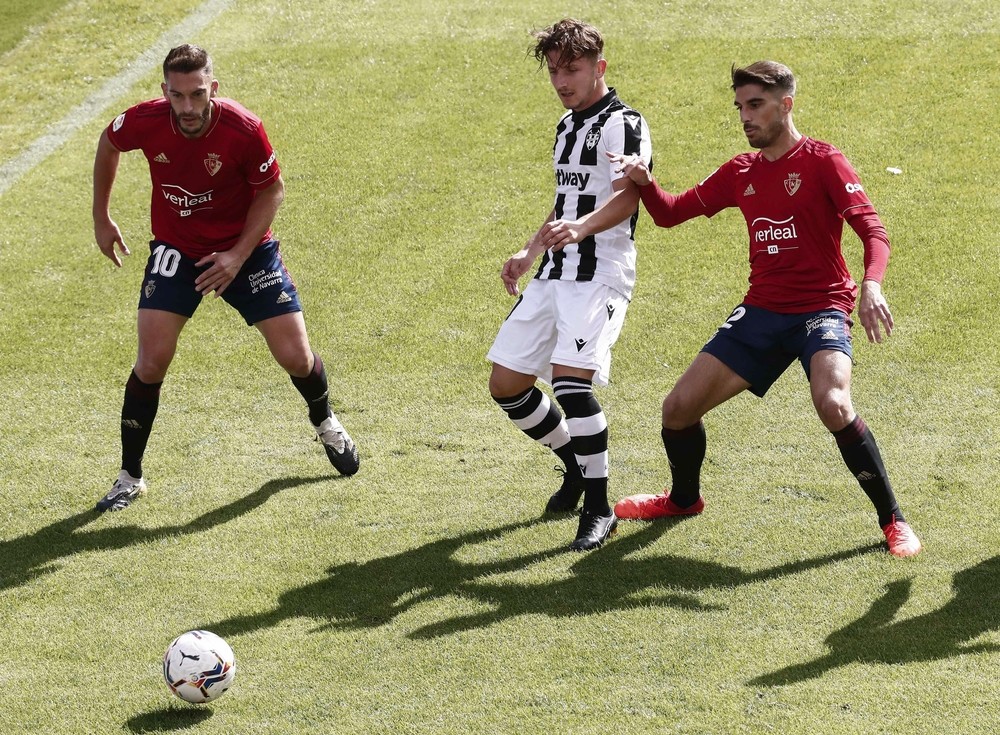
x=374, y=593
x=33, y=555
x=611, y=580
x=875, y=638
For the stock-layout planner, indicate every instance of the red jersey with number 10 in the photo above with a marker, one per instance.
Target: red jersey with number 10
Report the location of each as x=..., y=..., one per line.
x=202, y=187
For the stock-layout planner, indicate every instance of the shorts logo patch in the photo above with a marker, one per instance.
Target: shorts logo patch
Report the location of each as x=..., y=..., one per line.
x=827, y=323
x=149, y=288
x=580, y=344
x=611, y=311
x=283, y=298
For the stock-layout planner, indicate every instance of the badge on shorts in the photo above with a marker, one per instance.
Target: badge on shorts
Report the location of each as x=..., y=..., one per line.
x=149, y=288
x=213, y=164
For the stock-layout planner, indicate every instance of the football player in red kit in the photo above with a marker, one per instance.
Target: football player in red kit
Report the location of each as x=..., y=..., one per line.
x=795, y=193
x=216, y=187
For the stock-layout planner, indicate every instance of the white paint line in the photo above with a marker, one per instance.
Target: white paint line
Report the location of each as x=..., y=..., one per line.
x=58, y=133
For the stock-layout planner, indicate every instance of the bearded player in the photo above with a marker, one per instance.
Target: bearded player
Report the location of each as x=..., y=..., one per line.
x=216, y=187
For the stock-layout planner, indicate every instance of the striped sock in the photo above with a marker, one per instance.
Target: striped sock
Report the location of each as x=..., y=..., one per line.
x=589, y=431
x=534, y=414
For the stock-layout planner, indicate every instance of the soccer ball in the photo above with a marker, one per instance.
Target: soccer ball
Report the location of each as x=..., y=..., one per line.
x=199, y=666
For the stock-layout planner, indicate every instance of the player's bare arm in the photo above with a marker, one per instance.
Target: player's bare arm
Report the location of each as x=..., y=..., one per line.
x=873, y=311
x=634, y=167
x=559, y=233
x=226, y=264
x=106, y=231
x=520, y=262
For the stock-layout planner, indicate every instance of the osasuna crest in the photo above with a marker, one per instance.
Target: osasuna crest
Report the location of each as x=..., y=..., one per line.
x=150, y=287
x=792, y=184
x=593, y=138
x=213, y=164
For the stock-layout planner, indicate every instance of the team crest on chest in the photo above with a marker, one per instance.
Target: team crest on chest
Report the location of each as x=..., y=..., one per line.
x=593, y=138
x=792, y=184
x=213, y=164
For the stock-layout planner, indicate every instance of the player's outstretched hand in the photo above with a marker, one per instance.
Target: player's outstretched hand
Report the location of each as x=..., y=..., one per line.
x=632, y=166
x=108, y=235
x=515, y=267
x=873, y=311
x=559, y=233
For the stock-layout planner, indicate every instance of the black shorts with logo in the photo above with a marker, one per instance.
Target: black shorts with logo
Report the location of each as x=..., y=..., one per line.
x=261, y=290
x=759, y=345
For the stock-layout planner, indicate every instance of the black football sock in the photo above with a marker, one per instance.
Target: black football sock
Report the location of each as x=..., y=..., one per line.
x=860, y=452
x=315, y=391
x=534, y=414
x=588, y=428
x=138, y=412
x=685, y=452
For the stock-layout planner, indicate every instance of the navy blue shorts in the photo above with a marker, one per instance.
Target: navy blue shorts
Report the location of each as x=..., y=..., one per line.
x=759, y=345
x=261, y=290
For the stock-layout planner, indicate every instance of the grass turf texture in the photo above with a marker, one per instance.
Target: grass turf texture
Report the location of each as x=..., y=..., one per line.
x=424, y=595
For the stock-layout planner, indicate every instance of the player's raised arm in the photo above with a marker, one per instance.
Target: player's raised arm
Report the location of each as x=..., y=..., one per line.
x=106, y=231
x=559, y=233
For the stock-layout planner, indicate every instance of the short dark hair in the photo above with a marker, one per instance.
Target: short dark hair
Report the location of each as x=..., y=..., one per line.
x=770, y=75
x=187, y=58
x=572, y=38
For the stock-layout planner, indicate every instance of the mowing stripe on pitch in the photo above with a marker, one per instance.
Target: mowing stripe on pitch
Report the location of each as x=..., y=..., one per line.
x=58, y=133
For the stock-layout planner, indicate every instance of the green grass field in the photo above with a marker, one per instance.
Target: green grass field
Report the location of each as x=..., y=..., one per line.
x=426, y=595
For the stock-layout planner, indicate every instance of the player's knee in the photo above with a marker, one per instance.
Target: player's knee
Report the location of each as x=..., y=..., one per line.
x=675, y=414
x=152, y=368
x=505, y=384
x=297, y=363
x=834, y=408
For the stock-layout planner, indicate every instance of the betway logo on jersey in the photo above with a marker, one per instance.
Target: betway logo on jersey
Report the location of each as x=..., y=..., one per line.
x=572, y=178
x=185, y=201
x=770, y=232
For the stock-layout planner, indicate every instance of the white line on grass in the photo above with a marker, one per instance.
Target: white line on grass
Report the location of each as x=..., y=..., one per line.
x=58, y=133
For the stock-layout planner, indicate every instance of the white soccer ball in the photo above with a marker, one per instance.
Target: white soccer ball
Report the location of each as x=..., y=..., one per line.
x=199, y=666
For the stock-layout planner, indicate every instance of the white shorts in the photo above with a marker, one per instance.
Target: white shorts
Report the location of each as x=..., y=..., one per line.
x=572, y=323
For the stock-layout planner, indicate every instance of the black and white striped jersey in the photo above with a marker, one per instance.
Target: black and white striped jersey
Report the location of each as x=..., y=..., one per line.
x=584, y=178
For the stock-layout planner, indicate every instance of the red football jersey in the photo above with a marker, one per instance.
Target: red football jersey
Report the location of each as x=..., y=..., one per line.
x=202, y=187
x=794, y=209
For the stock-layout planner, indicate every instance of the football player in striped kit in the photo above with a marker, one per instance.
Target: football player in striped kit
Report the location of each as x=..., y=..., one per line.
x=563, y=326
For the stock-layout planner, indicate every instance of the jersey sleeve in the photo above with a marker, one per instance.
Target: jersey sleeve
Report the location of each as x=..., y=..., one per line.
x=630, y=137
x=844, y=186
x=666, y=209
x=125, y=132
x=261, y=166
x=716, y=192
